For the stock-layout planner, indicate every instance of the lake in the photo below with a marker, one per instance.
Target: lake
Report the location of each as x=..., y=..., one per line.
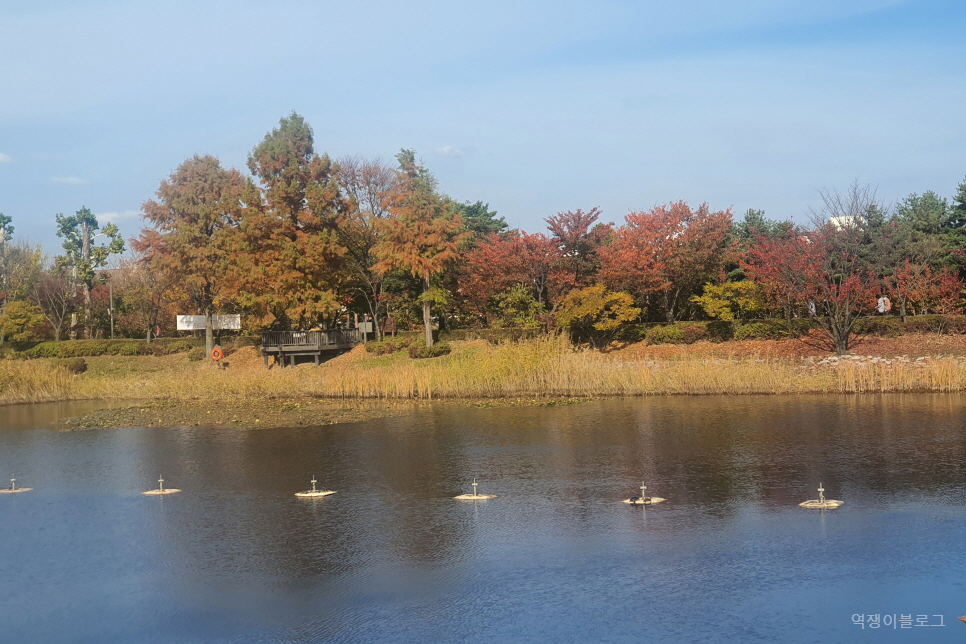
x=730, y=557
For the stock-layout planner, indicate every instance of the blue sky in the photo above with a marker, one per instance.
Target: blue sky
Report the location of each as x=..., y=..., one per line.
x=534, y=107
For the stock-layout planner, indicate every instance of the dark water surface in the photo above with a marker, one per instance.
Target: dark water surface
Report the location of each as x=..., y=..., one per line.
x=730, y=557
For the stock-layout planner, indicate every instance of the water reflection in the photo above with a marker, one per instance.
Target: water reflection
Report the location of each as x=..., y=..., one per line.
x=392, y=557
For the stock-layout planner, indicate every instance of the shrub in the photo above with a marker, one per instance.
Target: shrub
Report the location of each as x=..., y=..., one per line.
x=196, y=354
x=44, y=350
x=884, y=326
x=72, y=365
x=720, y=330
x=390, y=345
x=691, y=333
x=128, y=349
x=765, y=330
x=633, y=332
x=916, y=326
x=802, y=326
x=418, y=351
x=380, y=348
x=182, y=346
x=670, y=334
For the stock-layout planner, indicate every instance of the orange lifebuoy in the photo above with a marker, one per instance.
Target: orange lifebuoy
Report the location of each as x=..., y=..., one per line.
x=216, y=353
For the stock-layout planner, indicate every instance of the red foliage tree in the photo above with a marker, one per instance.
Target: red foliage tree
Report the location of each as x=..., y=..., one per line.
x=579, y=239
x=827, y=270
x=500, y=261
x=665, y=254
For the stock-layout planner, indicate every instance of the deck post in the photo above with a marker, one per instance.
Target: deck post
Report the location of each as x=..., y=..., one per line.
x=265, y=356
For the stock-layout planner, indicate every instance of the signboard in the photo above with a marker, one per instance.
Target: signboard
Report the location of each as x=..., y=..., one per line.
x=197, y=322
x=365, y=327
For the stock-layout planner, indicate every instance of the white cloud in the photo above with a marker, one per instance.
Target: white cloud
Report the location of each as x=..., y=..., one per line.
x=5, y=158
x=114, y=217
x=448, y=151
x=69, y=181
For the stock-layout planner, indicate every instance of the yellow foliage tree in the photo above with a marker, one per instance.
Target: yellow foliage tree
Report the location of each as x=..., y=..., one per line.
x=731, y=301
x=596, y=308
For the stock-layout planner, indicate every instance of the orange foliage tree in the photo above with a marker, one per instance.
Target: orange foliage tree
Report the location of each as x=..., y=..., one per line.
x=192, y=237
x=423, y=233
x=289, y=258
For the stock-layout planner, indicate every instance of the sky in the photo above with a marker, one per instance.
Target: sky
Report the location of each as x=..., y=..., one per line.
x=533, y=107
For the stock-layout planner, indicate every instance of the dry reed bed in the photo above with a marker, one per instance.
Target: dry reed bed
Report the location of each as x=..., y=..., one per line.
x=542, y=368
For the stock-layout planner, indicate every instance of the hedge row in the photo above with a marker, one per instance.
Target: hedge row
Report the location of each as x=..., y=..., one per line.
x=717, y=331
x=87, y=348
x=893, y=326
x=390, y=345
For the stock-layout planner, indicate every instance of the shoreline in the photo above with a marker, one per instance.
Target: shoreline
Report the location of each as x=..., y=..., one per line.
x=171, y=390
x=279, y=414
x=270, y=414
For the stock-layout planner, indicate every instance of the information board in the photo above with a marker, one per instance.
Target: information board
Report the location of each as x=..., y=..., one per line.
x=197, y=322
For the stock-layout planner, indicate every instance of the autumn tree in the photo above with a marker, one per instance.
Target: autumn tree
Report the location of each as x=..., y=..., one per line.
x=423, y=233
x=192, y=236
x=146, y=299
x=595, y=312
x=580, y=238
x=731, y=301
x=753, y=224
x=56, y=296
x=21, y=269
x=290, y=261
x=21, y=321
x=830, y=267
x=500, y=262
x=369, y=186
x=943, y=293
x=82, y=255
x=664, y=255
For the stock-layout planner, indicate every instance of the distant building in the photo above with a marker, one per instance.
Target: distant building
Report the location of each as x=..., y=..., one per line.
x=847, y=221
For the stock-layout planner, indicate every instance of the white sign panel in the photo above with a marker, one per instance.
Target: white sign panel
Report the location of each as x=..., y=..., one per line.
x=197, y=322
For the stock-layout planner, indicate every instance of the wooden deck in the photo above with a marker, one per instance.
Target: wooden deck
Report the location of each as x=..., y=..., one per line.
x=284, y=345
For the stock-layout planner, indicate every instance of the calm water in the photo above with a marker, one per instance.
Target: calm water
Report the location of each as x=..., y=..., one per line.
x=556, y=558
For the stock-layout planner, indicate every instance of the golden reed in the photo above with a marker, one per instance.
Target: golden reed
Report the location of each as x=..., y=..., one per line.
x=539, y=368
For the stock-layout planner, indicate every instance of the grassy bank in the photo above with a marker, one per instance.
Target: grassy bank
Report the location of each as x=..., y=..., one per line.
x=475, y=370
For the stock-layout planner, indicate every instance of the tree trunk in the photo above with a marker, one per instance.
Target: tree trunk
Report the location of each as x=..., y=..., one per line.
x=148, y=338
x=427, y=317
x=86, y=252
x=57, y=334
x=209, y=332
x=380, y=336
x=902, y=309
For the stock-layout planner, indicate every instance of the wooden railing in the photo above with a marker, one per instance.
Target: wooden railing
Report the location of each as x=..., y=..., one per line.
x=310, y=339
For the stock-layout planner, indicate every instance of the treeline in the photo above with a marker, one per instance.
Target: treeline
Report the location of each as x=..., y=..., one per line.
x=309, y=242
